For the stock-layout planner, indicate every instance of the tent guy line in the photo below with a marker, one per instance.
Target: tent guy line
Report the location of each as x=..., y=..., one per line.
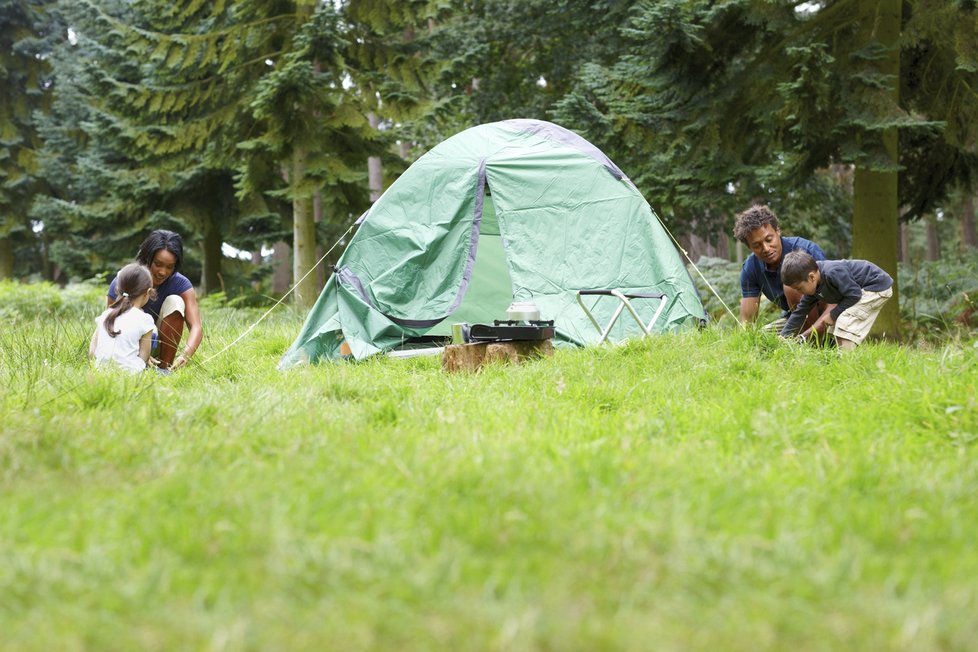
x=708, y=284
x=284, y=296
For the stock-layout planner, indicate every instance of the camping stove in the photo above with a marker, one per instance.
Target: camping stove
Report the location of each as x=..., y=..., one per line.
x=523, y=325
x=534, y=330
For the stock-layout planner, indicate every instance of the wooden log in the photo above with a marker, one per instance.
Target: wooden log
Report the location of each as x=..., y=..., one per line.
x=470, y=357
x=463, y=357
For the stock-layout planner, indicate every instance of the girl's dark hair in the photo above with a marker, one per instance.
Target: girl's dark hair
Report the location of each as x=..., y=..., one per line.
x=161, y=239
x=796, y=267
x=133, y=281
x=752, y=219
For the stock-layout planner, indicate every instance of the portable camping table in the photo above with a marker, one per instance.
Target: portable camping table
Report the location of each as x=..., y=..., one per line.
x=625, y=302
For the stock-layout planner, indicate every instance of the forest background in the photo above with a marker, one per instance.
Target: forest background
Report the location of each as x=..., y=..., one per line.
x=598, y=499
x=261, y=129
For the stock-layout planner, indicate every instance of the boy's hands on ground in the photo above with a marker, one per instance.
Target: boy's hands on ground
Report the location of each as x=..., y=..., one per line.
x=153, y=362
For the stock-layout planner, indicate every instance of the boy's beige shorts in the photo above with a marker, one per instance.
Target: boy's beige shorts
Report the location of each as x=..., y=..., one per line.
x=855, y=322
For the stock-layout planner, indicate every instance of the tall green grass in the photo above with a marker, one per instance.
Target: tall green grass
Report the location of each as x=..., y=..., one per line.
x=710, y=490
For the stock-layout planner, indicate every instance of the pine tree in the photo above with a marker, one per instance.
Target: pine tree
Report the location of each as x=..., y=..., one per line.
x=313, y=133
x=393, y=68
x=508, y=59
x=217, y=110
x=26, y=32
x=760, y=95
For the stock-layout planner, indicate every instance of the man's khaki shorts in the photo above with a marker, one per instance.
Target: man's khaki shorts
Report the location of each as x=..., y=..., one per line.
x=854, y=324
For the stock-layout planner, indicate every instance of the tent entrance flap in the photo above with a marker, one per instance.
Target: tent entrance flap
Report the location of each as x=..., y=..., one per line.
x=490, y=290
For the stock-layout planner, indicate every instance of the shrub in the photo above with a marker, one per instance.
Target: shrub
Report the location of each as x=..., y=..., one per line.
x=940, y=295
x=21, y=301
x=724, y=276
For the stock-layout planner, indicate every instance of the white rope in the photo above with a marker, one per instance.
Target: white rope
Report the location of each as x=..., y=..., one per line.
x=708, y=284
x=284, y=296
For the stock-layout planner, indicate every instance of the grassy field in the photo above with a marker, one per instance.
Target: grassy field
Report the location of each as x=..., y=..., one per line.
x=715, y=490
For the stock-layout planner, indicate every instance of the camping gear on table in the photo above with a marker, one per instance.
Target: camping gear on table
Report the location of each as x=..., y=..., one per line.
x=518, y=210
x=523, y=325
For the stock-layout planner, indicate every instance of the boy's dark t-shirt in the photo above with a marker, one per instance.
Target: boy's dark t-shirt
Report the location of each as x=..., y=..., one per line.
x=756, y=278
x=176, y=284
x=842, y=283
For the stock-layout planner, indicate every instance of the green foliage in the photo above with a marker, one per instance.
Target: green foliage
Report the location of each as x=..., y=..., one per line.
x=942, y=296
x=25, y=302
x=724, y=277
x=712, y=490
x=501, y=59
x=26, y=32
x=302, y=109
x=711, y=106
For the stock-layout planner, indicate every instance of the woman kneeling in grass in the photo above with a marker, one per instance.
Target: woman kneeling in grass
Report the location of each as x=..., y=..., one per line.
x=175, y=303
x=124, y=333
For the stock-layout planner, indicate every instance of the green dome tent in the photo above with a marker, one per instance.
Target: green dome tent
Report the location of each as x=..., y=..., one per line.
x=512, y=210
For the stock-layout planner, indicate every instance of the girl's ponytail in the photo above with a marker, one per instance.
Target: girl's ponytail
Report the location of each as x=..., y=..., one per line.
x=133, y=280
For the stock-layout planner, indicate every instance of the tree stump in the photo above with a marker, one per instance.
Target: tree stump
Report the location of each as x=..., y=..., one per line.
x=470, y=357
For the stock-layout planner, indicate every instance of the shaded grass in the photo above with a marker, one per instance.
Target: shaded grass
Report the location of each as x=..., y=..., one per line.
x=713, y=490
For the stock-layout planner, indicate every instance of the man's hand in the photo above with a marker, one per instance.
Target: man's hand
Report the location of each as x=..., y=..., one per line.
x=181, y=361
x=153, y=362
x=749, y=307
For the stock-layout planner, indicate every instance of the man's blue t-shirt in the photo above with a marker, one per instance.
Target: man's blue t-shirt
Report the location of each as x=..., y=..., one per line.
x=176, y=284
x=756, y=278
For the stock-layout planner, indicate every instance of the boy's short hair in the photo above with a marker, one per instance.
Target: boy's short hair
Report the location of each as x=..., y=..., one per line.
x=796, y=266
x=752, y=219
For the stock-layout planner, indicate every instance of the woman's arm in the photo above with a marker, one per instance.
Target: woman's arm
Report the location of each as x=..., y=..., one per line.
x=92, y=343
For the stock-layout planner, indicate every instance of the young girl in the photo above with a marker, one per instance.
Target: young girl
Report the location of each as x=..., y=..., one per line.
x=124, y=333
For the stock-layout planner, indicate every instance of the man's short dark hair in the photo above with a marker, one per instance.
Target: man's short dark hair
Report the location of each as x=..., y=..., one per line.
x=752, y=219
x=161, y=239
x=796, y=266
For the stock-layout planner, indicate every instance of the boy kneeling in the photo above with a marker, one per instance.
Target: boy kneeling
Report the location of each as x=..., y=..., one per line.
x=858, y=287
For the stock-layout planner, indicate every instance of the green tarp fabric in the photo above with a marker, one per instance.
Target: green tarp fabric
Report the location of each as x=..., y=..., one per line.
x=513, y=210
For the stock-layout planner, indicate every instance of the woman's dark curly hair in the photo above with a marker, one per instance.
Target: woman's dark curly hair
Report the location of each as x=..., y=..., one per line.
x=752, y=219
x=161, y=239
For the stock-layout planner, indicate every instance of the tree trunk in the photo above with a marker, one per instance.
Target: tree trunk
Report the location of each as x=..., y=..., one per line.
x=904, y=243
x=875, y=219
x=317, y=213
x=969, y=237
x=723, y=245
x=6, y=258
x=375, y=171
x=45, y=258
x=303, y=234
x=210, y=276
x=933, y=239
x=874, y=234
x=686, y=243
x=282, y=272
x=256, y=260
